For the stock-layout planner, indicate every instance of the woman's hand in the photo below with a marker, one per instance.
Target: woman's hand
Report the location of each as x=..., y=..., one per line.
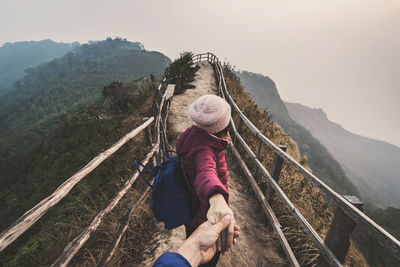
x=218, y=210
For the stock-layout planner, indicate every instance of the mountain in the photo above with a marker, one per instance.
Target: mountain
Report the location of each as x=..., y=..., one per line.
x=18, y=56
x=47, y=97
x=263, y=90
x=372, y=165
x=68, y=83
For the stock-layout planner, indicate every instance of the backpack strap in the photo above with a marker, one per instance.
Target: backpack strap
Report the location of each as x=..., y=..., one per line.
x=136, y=164
x=169, y=151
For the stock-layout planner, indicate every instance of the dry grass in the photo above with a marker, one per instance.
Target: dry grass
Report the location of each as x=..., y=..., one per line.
x=301, y=192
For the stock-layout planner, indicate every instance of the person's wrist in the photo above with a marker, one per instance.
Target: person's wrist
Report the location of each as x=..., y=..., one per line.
x=216, y=199
x=190, y=250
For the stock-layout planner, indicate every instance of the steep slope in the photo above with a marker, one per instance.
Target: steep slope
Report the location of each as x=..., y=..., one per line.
x=16, y=57
x=372, y=165
x=263, y=90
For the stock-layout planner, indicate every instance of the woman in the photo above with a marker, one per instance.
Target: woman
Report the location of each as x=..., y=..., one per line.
x=203, y=145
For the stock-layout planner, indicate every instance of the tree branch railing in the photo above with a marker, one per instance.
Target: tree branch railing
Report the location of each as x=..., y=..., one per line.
x=73, y=247
x=343, y=203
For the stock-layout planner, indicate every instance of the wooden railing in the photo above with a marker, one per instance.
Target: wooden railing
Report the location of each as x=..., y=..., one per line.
x=160, y=106
x=347, y=215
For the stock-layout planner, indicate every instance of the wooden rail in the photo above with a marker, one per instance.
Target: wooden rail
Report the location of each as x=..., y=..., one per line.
x=344, y=206
x=34, y=214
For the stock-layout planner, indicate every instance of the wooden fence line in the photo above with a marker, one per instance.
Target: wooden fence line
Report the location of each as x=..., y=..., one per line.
x=376, y=231
x=329, y=256
x=34, y=214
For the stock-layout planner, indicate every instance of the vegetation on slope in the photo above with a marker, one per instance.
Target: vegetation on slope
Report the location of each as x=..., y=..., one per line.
x=58, y=154
x=74, y=80
x=67, y=84
x=266, y=95
x=301, y=192
x=16, y=57
x=180, y=72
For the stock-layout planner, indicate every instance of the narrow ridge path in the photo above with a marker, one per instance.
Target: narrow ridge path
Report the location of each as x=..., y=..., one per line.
x=257, y=245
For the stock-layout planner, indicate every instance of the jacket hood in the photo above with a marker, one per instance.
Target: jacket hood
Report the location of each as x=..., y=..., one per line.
x=195, y=136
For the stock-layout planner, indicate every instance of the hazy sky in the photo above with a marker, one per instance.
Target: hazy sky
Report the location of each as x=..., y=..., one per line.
x=340, y=55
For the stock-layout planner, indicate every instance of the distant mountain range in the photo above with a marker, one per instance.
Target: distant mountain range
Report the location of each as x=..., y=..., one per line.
x=264, y=92
x=372, y=165
x=19, y=56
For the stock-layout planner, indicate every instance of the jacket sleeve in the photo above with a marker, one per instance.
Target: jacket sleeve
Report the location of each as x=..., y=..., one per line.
x=170, y=259
x=206, y=182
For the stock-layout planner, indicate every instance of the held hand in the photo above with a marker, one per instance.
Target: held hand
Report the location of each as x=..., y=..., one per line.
x=200, y=247
x=219, y=209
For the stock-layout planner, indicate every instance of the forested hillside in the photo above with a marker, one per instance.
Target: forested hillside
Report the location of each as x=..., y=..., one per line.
x=19, y=56
x=263, y=90
x=75, y=79
x=35, y=170
x=68, y=83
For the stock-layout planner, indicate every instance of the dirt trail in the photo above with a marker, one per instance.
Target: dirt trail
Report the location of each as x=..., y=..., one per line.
x=257, y=245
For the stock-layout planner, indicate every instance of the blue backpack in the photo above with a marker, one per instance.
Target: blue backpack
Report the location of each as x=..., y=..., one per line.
x=170, y=195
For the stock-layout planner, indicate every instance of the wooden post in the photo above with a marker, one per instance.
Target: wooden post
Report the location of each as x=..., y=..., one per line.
x=238, y=129
x=275, y=173
x=148, y=138
x=338, y=237
x=162, y=140
x=258, y=156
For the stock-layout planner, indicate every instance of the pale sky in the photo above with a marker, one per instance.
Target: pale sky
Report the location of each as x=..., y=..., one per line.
x=339, y=55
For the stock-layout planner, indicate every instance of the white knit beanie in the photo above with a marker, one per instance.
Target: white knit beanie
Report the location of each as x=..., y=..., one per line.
x=210, y=113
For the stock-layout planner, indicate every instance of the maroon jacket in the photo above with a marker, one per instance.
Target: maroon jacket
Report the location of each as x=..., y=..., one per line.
x=205, y=168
